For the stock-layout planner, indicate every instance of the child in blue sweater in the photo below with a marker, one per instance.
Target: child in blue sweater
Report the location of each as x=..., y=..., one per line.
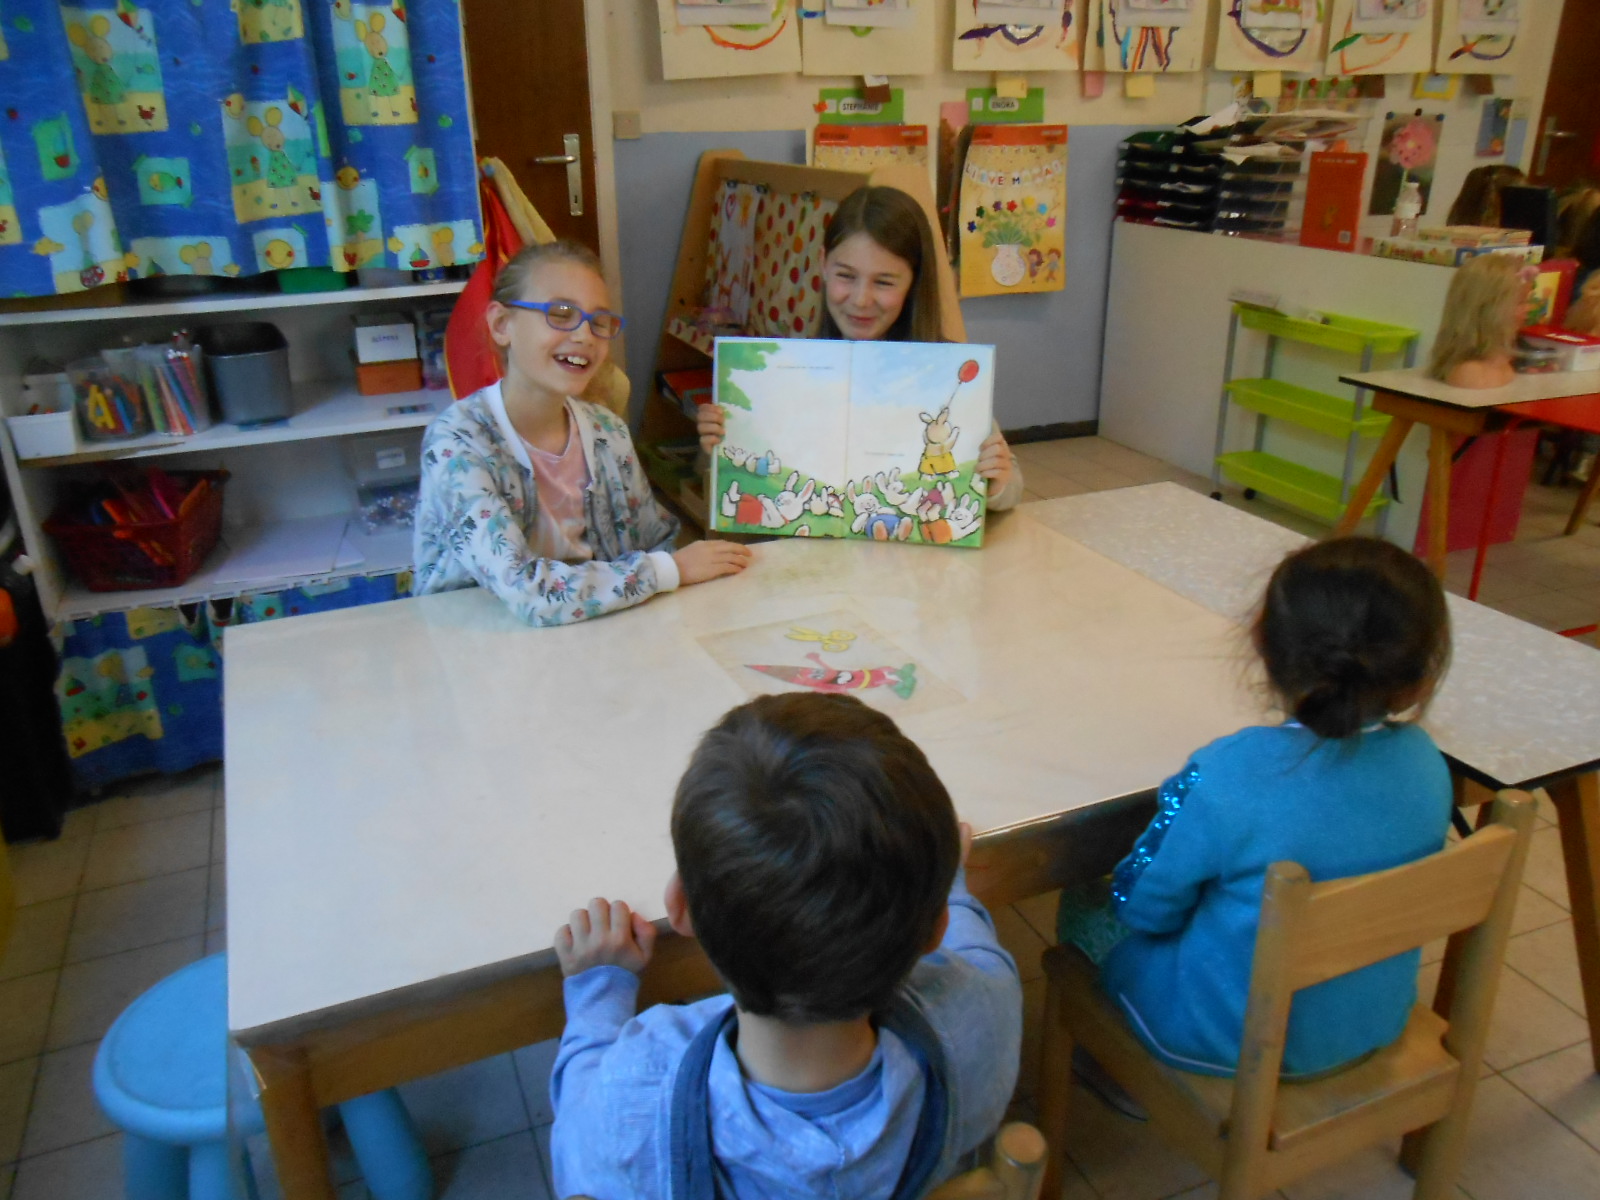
x=1352, y=632
x=874, y=1023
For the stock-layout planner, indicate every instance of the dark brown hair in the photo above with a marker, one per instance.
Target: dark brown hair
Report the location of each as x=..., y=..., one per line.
x=1351, y=631
x=1478, y=201
x=816, y=848
x=897, y=223
x=512, y=280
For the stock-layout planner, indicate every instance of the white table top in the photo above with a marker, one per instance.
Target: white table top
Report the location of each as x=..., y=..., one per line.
x=1412, y=382
x=1520, y=705
x=423, y=788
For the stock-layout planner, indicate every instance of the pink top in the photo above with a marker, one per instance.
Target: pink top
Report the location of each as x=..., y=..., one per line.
x=562, y=480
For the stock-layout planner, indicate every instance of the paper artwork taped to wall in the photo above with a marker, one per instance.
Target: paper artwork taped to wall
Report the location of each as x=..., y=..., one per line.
x=834, y=43
x=1013, y=210
x=1130, y=43
x=874, y=440
x=700, y=51
x=984, y=44
x=722, y=12
x=866, y=147
x=1278, y=14
x=1242, y=46
x=1478, y=37
x=1380, y=37
x=1492, y=126
x=868, y=14
x=764, y=659
x=1409, y=151
x=1160, y=12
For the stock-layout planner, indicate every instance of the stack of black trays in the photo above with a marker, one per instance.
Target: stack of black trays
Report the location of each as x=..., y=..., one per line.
x=1254, y=196
x=1170, y=177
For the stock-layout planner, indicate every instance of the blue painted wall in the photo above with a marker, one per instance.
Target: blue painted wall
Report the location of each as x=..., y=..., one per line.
x=1048, y=344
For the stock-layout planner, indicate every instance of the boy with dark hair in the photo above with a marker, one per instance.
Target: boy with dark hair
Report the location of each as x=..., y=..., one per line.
x=875, y=1023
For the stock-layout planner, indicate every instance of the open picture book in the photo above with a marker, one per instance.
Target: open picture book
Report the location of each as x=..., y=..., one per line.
x=852, y=439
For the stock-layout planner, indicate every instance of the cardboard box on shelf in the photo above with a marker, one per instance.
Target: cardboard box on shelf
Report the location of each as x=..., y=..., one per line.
x=384, y=337
x=382, y=378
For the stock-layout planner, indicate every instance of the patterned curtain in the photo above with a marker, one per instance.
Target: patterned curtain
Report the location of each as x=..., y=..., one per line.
x=207, y=137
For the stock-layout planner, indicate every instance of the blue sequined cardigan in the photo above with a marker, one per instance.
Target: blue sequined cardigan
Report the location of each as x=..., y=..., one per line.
x=1191, y=889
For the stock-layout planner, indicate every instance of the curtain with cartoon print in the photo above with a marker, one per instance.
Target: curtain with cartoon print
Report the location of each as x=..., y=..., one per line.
x=230, y=137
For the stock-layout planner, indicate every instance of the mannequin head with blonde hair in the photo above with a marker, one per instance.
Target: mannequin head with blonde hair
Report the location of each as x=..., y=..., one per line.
x=1486, y=304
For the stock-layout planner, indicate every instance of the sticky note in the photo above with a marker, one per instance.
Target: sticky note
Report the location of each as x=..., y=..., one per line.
x=1138, y=85
x=1011, y=87
x=1094, y=83
x=1268, y=85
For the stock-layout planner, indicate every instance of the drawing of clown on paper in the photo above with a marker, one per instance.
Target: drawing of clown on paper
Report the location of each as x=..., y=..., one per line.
x=852, y=439
x=832, y=652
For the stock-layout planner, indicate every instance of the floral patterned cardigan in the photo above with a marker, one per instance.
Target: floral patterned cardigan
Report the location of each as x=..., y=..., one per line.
x=479, y=508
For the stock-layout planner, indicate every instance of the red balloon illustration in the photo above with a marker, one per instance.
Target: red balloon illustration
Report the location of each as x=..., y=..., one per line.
x=969, y=371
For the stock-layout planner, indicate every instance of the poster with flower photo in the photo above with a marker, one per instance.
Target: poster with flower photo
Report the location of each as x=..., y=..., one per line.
x=1014, y=210
x=1409, y=150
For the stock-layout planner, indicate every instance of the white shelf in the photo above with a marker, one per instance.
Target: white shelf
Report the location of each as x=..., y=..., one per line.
x=324, y=409
x=382, y=553
x=230, y=302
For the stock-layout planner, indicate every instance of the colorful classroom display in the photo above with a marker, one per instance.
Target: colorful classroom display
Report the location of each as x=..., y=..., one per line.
x=874, y=440
x=169, y=138
x=1013, y=210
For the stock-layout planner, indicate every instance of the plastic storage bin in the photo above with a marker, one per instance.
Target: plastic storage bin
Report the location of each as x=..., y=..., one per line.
x=153, y=554
x=43, y=435
x=249, y=368
x=109, y=403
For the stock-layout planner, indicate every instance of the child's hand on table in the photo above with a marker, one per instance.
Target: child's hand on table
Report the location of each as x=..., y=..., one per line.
x=708, y=420
x=606, y=934
x=995, y=461
x=700, y=561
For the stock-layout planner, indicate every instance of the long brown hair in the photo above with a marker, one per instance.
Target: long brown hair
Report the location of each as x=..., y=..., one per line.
x=1481, y=313
x=897, y=223
x=1478, y=201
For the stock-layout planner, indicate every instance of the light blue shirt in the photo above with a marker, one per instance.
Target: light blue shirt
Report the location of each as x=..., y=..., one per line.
x=1191, y=890
x=614, y=1074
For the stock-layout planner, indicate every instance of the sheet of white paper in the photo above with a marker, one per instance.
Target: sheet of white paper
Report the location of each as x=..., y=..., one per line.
x=287, y=548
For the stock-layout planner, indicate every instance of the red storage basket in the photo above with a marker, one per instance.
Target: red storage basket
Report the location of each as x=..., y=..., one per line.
x=154, y=554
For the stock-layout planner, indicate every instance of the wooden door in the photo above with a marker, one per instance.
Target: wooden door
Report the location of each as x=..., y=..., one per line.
x=1566, y=147
x=529, y=71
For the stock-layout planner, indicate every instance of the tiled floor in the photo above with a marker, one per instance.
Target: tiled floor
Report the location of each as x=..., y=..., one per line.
x=134, y=890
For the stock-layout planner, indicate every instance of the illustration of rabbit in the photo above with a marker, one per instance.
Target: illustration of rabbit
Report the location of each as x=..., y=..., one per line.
x=383, y=80
x=769, y=512
x=280, y=167
x=938, y=440
x=104, y=85
x=895, y=492
x=965, y=515
x=767, y=464
x=825, y=503
x=872, y=518
x=735, y=455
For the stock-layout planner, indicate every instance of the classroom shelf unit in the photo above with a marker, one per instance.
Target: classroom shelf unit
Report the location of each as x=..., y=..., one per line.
x=286, y=478
x=1316, y=492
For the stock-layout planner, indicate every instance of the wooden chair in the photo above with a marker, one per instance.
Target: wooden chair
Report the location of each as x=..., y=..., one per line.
x=1254, y=1133
x=1015, y=1170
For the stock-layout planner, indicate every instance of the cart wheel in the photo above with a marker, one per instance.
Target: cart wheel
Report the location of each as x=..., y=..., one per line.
x=1249, y=493
x=1216, y=495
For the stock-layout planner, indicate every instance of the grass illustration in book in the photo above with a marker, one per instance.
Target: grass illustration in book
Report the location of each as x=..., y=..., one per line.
x=874, y=440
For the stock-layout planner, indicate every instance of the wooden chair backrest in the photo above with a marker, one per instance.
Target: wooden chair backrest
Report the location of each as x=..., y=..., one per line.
x=1313, y=932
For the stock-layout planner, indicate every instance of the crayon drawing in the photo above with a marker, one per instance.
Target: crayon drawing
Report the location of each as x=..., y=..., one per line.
x=852, y=439
x=767, y=658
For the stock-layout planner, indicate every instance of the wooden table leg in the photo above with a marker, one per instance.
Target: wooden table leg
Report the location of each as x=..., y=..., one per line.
x=1585, y=497
x=1382, y=459
x=1438, y=499
x=1578, y=807
x=294, y=1124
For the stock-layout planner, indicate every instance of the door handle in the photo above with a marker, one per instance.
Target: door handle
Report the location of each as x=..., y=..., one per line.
x=1546, y=136
x=573, y=162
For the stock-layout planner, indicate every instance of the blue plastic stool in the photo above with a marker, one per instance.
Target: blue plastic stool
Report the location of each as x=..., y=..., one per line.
x=161, y=1074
